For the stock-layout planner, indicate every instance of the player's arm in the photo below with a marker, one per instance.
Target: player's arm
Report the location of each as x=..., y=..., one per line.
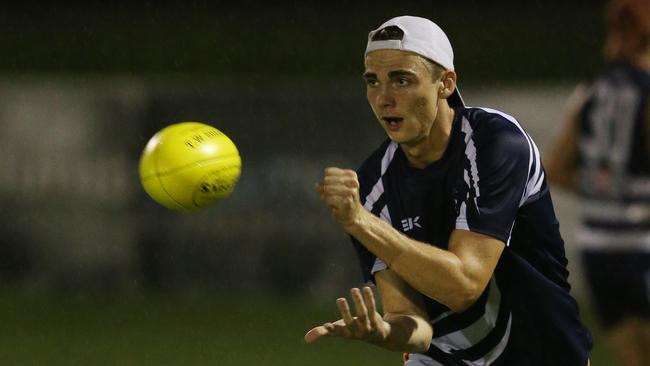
x=404, y=310
x=561, y=162
x=455, y=277
x=404, y=327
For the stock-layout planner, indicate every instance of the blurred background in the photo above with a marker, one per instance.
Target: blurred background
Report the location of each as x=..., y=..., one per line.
x=92, y=272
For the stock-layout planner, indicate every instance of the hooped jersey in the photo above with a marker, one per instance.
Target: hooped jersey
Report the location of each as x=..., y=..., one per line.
x=489, y=180
x=614, y=161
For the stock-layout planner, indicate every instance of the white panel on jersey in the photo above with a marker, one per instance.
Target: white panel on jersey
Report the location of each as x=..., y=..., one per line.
x=461, y=220
x=498, y=349
x=535, y=183
x=470, y=153
x=474, y=333
x=385, y=215
x=378, y=189
x=378, y=266
x=388, y=157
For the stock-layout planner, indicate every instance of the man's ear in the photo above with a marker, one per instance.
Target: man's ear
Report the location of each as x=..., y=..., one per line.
x=447, y=84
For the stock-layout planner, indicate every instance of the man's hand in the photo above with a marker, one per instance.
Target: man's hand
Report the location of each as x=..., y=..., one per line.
x=339, y=189
x=367, y=325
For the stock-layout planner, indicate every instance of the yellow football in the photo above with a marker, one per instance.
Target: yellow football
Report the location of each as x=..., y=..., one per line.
x=189, y=165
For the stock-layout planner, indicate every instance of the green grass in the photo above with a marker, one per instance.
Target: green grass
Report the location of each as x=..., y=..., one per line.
x=164, y=331
x=160, y=331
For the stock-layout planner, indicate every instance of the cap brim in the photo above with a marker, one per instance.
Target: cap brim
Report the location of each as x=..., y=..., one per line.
x=455, y=99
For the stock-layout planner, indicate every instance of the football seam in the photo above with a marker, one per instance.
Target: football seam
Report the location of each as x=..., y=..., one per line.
x=158, y=174
x=160, y=182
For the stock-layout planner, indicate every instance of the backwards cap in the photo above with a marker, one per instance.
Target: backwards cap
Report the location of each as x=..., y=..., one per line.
x=417, y=35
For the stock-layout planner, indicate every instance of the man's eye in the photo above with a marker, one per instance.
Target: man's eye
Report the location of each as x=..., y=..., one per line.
x=402, y=82
x=371, y=82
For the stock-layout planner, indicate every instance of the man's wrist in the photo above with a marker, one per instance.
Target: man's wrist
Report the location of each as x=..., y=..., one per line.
x=384, y=340
x=356, y=223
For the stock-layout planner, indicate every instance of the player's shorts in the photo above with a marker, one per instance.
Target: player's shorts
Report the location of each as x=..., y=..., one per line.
x=619, y=283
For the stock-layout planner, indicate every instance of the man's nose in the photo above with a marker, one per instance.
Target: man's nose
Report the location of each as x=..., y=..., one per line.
x=385, y=97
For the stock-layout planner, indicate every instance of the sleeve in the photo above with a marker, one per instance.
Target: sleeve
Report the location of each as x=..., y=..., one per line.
x=495, y=180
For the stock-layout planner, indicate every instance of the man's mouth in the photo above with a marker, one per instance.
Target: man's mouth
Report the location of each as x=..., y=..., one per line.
x=392, y=122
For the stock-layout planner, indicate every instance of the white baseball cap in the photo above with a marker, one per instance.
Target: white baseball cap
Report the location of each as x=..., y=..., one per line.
x=420, y=36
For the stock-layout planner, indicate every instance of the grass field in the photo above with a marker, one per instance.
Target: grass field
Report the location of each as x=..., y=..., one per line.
x=162, y=330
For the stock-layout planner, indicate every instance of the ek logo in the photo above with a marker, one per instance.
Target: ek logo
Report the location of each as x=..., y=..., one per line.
x=410, y=223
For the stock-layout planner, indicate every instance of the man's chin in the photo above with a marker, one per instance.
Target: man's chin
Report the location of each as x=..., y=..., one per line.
x=404, y=141
x=396, y=137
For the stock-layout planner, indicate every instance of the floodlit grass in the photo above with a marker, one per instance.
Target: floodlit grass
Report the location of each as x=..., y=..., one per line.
x=85, y=330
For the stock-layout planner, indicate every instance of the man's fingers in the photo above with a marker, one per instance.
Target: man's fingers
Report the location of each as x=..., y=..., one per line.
x=360, y=326
x=348, y=182
x=335, y=195
x=336, y=171
x=369, y=298
x=340, y=175
x=336, y=329
x=344, y=308
x=360, y=306
x=316, y=333
x=338, y=193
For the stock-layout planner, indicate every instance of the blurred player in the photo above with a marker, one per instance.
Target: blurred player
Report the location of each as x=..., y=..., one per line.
x=453, y=221
x=603, y=153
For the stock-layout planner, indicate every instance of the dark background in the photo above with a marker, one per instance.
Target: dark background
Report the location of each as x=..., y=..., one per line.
x=93, y=272
x=494, y=41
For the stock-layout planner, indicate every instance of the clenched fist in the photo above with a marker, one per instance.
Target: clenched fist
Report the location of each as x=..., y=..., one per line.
x=339, y=189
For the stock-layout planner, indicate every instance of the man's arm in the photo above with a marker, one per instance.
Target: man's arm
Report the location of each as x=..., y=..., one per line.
x=456, y=277
x=404, y=327
x=561, y=164
x=404, y=310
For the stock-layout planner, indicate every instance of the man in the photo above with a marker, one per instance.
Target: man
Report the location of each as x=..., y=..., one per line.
x=453, y=221
x=603, y=153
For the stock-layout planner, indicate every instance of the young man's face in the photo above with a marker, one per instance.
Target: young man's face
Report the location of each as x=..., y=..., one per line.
x=403, y=94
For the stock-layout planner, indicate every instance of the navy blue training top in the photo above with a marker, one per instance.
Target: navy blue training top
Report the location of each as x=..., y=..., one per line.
x=489, y=180
x=614, y=161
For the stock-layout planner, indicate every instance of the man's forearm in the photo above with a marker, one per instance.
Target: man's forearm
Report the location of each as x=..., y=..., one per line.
x=408, y=333
x=419, y=264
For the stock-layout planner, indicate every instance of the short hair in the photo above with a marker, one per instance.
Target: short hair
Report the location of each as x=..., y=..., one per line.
x=435, y=68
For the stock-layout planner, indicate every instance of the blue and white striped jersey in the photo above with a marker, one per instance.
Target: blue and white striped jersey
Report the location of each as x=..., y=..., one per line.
x=614, y=161
x=490, y=180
